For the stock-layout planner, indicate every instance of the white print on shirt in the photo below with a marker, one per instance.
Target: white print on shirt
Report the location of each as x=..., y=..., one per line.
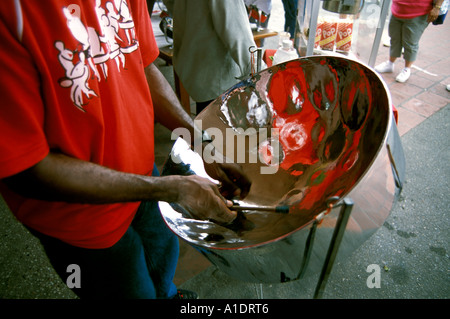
x=77, y=75
x=96, y=47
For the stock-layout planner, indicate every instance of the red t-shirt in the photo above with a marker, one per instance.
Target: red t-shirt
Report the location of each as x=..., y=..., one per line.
x=409, y=9
x=72, y=81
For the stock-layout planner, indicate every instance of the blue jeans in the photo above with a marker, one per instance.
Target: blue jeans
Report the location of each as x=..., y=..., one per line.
x=141, y=265
x=290, y=16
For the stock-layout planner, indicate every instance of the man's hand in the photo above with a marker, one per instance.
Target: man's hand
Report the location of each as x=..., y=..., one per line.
x=234, y=182
x=202, y=199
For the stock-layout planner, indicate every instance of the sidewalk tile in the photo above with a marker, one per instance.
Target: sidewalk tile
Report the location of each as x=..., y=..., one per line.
x=408, y=120
x=405, y=88
x=440, y=88
x=420, y=80
x=420, y=107
x=398, y=98
x=434, y=99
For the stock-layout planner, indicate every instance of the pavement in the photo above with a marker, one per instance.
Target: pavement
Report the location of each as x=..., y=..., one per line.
x=411, y=248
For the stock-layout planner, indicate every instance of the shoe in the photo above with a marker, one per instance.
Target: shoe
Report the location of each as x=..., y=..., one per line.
x=403, y=76
x=385, y=67
x=448, y=87
x=185, y=294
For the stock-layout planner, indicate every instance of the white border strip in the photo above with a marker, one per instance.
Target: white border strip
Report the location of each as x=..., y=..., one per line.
x=19, y=17
x=424, y=71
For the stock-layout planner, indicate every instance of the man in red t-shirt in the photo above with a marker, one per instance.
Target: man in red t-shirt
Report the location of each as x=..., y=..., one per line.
x=77, y=155
x=408, y=22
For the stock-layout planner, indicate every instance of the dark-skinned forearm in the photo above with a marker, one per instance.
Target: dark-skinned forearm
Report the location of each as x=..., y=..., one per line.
x=61, y=178
x=168, y=110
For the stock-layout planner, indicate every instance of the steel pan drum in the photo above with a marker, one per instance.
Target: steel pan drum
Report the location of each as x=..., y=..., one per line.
x=305, y=131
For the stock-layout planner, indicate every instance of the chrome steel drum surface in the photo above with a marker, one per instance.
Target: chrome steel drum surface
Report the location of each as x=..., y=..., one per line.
x=332, y=120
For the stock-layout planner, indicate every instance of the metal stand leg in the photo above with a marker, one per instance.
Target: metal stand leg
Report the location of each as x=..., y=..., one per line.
x=339, y=230
x=258, y=52
x=259, y=292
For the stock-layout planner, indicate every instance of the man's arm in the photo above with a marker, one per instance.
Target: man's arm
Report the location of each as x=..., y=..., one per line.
x=61, y=178
x=168, y=110
x=170, y=113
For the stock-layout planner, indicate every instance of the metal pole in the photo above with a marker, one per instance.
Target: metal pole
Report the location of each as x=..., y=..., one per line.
x=259, y=58
x=313, y=27
x=379, y=33
x=336, y=239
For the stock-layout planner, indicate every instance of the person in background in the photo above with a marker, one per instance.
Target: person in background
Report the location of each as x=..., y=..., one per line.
x=80, y=94
x=150, y=5
x=290, y=16
x=408, y=21
x=259, y=11
x=211, y=53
